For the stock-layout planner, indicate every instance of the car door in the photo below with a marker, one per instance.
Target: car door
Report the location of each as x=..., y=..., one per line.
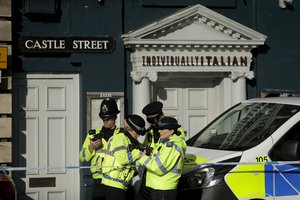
x=284, y=183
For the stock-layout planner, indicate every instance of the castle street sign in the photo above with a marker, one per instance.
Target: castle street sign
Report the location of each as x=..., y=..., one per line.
x=66, y=44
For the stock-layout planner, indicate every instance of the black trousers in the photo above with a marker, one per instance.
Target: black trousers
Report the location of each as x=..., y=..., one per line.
x=112, y=193
x=147, y=193
x=98, y=193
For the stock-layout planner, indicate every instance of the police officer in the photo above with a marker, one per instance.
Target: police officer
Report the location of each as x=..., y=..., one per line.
x=96, y=141
x=164, y=165
x=154, y=114
x=119, y=162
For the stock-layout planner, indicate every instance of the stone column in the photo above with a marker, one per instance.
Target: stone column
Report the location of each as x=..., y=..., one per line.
x=141, y=93
x=238, y=87
x=141, y=90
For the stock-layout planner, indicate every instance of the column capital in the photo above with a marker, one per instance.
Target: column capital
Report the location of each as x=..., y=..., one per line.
x=152, y=76
x=236, y=75
x=138, y=76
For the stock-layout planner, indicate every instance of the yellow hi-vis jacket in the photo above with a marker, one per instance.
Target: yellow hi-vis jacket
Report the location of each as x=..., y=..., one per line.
x=119, y=162
x=164, y=165
x=149, y=139
x=96, y=156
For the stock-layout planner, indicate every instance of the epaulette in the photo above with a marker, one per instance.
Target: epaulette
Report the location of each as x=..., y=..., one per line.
x=170, y=144
x=164, y=141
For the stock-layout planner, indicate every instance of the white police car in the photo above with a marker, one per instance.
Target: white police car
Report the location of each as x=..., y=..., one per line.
x=250, y=152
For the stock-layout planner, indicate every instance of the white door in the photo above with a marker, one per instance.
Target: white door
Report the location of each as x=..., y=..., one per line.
x=46, y=128
x=192, y=105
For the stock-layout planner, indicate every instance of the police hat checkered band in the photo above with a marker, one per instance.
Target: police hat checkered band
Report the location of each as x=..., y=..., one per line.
x=135, y=126
x=167, y=124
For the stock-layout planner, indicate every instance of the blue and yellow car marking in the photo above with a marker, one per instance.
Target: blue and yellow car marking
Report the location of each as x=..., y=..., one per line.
x=245, y=181
x=258, y=180
x=282, y=180
x=264, y=180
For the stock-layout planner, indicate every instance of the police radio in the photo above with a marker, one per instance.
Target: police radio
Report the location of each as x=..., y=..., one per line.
x=95, y=136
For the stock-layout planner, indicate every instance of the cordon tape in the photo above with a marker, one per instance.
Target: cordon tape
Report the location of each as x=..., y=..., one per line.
x=194, y=166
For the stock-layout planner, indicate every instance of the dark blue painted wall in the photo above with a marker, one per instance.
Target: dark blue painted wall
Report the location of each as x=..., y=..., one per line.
x=98, y=72
x=279, y=65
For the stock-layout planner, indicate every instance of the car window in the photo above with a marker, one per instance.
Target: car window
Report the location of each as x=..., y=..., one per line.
x=244, y=126
x=288, y=147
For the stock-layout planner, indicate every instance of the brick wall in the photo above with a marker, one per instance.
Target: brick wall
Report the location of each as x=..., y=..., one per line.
x=5, y=83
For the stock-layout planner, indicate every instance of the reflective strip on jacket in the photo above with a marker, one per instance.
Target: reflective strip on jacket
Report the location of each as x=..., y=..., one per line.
x=149, y=138
x=119, y=162
x=95, y=157
x=164, y=165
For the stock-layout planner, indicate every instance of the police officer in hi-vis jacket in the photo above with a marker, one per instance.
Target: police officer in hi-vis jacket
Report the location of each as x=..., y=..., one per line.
x=96, y=141
x=122, y=150
x=154, y=114
x=164, y=165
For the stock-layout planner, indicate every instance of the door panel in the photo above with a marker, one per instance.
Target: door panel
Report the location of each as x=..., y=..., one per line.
x=56, y=134
x=192, y=105
x=171, y=99
x=197, y=107
x=47, y=127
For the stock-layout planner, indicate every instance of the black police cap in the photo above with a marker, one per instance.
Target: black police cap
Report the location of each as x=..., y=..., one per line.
x=108, y=108
x=153, y=109
x=168, y=123
x=137, y=123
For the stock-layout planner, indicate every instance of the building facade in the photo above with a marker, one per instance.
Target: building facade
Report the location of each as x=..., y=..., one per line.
x=197, y=57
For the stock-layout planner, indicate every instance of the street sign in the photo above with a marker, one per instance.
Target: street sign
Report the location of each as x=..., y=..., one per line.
x=3, y=57
x=30, y=44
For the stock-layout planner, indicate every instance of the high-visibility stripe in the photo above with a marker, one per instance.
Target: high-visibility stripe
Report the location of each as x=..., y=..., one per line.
x=160, y=165
x=113, y=151
x=107, y=152
x=147, y=161
x=119, y=148
x=115, y=179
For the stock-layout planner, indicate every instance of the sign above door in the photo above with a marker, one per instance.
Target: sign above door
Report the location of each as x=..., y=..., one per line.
x=195, y=39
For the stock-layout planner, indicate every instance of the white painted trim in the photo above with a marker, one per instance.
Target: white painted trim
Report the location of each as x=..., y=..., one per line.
x=46, y=76
x=194, y=13
x=244, y=44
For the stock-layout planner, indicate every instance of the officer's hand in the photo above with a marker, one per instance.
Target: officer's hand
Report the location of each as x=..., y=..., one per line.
x=148, y=150
x=142, y=153
x=95, y=144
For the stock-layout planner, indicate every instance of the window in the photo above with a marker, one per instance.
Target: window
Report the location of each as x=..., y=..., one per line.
x=288, y=147
x=245, y=126
x=94, y=100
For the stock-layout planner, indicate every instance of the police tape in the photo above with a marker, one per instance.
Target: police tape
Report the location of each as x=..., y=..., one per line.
x=193, y=165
